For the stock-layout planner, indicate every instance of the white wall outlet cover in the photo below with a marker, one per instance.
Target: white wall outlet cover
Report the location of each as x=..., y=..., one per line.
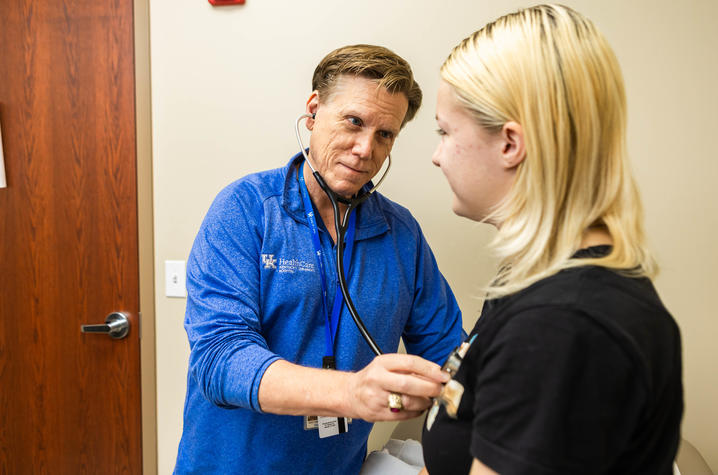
x=175, y=279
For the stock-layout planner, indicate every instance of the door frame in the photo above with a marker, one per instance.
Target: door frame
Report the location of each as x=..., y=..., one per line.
x=145, y=208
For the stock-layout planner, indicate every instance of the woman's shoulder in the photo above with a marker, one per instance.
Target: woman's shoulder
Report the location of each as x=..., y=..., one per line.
x=590, y=289
x=585, y=307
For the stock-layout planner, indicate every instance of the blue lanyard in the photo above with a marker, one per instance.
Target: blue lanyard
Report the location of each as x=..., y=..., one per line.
x=331, y=323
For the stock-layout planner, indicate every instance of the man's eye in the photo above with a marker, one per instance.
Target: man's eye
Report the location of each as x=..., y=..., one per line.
x=354, y=121
x=440, y=131
x=385, y=134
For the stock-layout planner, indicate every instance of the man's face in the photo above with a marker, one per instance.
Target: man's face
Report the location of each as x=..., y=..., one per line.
x=353, y=132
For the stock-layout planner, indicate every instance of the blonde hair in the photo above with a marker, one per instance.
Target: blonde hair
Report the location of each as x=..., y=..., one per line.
x=390, y=71
x=549, y=69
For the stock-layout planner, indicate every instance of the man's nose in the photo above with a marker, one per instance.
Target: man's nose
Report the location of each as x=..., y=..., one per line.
x=363, y=145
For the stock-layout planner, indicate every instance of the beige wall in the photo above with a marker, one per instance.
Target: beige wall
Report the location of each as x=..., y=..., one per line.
x=227, y=84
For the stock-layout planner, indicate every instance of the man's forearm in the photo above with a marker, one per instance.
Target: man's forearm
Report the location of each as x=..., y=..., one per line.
x=287, y=388
x=290, y=389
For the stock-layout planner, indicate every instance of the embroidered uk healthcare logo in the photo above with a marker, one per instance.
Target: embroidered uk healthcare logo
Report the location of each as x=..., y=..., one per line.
x=291, y=266
x=286, y=266
x=269, y=261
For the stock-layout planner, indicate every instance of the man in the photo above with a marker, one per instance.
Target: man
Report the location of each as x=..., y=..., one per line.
x=259, y=321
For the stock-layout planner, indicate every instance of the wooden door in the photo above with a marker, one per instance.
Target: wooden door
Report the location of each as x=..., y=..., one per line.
x=69, y=401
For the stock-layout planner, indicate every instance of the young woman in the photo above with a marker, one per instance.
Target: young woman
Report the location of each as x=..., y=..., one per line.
x=574, y=365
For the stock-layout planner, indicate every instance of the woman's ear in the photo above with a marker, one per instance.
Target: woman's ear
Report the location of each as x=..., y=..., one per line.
x=513, y=150
x=311, y=108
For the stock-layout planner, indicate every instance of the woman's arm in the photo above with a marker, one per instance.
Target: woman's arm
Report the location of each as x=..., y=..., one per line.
x=478, y=468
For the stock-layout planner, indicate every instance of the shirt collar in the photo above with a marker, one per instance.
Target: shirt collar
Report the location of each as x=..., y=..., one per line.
x=371, y=220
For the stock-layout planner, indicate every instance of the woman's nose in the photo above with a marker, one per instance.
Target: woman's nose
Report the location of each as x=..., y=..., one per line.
x=435, y=157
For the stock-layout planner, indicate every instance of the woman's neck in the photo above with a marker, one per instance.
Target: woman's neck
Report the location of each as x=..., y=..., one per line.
x=596, y=236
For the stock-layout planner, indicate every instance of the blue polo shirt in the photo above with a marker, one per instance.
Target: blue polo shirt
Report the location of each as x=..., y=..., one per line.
x=254, y=297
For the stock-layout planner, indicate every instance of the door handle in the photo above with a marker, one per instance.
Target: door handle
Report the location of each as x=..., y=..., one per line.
x=3, y=181
x=116, y=325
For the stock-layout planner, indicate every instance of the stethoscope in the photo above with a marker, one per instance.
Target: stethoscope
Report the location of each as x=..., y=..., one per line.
x=454, y=360
x=340, y=227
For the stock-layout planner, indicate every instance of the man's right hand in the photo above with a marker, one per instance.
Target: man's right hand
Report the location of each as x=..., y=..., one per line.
x=415, y=379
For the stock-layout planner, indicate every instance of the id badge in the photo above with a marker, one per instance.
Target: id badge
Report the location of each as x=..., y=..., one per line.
x=312, y=422
x=328, y=426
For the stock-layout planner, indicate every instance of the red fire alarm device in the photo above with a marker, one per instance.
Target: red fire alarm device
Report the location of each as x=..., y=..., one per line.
x=226, y=2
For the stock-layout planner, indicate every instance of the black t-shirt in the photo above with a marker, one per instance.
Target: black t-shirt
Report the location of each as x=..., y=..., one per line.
x=578, y=373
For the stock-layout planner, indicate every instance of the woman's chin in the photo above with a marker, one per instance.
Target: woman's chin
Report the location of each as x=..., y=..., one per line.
x=460, y=210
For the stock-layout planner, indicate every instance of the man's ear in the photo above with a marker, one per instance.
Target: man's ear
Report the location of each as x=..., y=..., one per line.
x=513, y=147
x=311, y=108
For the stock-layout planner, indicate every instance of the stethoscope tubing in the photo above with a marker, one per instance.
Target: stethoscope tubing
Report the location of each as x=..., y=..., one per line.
x=340, y=227
x=341, y=232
